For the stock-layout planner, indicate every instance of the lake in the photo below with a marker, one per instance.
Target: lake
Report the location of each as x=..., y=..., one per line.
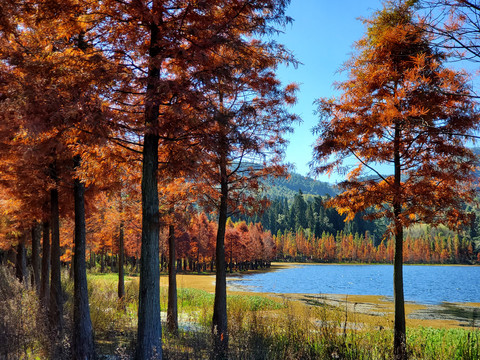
x=422, y=284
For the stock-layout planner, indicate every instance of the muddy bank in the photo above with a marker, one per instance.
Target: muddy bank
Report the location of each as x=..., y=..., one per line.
x=373, y=308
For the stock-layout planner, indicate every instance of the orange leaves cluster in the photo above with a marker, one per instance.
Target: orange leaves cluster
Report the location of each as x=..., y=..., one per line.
x=400, y=112
x=242, y=242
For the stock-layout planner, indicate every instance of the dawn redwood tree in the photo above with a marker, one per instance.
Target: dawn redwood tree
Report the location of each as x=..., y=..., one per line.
x=403, y=117
x=163, y=47
x=54, y=114
x=144, y=38
x=245, y=122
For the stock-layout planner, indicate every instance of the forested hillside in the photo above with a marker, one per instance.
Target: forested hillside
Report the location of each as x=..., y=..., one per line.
x=289, y=187
x=306, y=229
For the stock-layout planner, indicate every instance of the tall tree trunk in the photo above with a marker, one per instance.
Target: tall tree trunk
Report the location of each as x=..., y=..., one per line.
x=149, y=339
x=56, y=296
x=172, y=311
x=102, y=261
x=44, y=289
x=149, y=326
x=121, y=261
x=399, y=337
x=36, y=235
x=92, y=259
x=399, y=328
x=21, y=261
x=219, y=321
x=83, y=344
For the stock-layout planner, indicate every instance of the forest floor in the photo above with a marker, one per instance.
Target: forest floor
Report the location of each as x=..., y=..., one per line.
x=357, y=310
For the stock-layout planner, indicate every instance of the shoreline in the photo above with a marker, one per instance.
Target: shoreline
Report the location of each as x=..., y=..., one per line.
x=371, y=307
x=293, y=264
x=376, y=310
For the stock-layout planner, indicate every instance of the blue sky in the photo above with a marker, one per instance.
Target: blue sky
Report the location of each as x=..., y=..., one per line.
x=321, y=37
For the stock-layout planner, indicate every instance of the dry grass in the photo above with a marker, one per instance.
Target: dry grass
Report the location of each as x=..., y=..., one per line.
x=262, y=326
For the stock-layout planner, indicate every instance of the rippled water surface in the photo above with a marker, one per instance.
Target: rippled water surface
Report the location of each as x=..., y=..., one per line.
x=422, y=284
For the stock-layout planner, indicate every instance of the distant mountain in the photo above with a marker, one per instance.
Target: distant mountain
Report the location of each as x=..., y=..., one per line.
x=282, y=187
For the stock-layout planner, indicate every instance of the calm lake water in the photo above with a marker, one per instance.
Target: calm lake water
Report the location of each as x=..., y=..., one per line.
x=422, y=284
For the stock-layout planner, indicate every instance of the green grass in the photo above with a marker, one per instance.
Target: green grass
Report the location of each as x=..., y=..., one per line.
x=455, y=344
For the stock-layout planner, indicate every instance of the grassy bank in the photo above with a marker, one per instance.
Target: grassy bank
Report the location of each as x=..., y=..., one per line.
x=268, y=326
x=262, y=326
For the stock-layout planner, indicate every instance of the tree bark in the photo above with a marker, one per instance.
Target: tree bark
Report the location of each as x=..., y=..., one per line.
x=219, y=321
x=149, y=339
x=102, y=261
x=121, y=261
x=399, y=336
x=399, y=328
x=92, y=259
x=44, y=289
x=21, y=261
x=83, y=344
x=172, y=311
x=149, y=326
x=56, y=301
x=36, y=235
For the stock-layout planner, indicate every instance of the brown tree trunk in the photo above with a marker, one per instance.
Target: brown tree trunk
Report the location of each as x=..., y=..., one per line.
x=44, y=289
x=102, y=261
x=149, y=326
x=121, y=261
x=219, y=321
x=56, y=301
x=83, y=344
x=172, y=311
x=92, y=259
x=399, y=336
x=399, y=328
x=36, y=235
x=21, y=261
x=149, y=338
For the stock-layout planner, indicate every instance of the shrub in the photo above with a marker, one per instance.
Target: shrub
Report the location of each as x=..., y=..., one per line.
x=23, y=325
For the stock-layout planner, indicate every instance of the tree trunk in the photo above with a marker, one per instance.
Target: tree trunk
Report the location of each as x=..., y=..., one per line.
x=36, y=235
x=172, y=311
x=44, y=289
x=21, y=261
x=56, y=301
x=399, y=328
x=149, y=326
x=102, y=261
x=149, y=339
x=92, y=259
x=113, y=263
x=399, y=337
x=219, y=321
x=83, y=344
x=121, y=261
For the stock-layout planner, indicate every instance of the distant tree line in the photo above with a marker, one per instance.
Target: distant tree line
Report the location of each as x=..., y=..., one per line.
x=305, y=229
x=343, y=247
